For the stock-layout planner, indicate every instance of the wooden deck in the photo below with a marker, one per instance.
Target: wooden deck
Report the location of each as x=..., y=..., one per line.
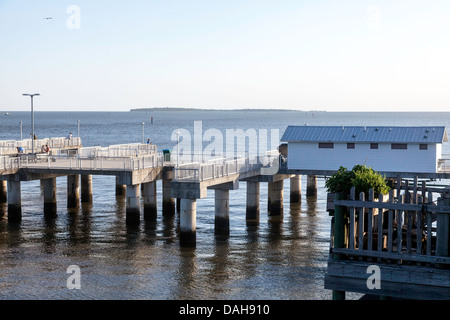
x=404, y=236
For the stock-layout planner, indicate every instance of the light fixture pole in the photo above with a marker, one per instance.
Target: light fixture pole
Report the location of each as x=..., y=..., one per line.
x=78, y=124
x=143, y=135
x=21, y=125
x=178, y=145
x=32, y=118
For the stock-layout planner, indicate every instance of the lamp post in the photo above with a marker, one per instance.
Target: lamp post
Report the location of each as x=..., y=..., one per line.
x=21, y=125
x=178, y=145
x=143, y=135
x=78, y=124
x=32, y=119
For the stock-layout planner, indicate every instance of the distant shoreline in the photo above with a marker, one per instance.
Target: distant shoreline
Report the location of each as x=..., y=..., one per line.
x=199, y=109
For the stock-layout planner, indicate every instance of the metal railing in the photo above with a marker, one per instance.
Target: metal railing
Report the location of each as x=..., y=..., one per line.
x=9, y=147
x=77, y=162
x=220, y=167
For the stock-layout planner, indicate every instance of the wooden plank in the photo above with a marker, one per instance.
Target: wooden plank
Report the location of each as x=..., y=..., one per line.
x=370, y=223
x=380, y=226
x=395, y=206
x=429, y=225
x=361, y=223
x=392, y=255
x=390, y=221
x=408, y=222
x=415, y=189
x=442, y=231
x=352, y=220
x=399, y=226
x=410, y=282
x=419, y=226
x=391, y=272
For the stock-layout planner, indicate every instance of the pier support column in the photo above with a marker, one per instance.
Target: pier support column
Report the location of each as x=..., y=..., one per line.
x=49, y=197
x=222, y=212
x=133, y=202
x=73, y=191
x=188, y=216
x=252, y=208
x=168, y=204
x=14, y=202
x=311, y=186
x=150, y=200
x=3, y=192
x=86, y=188
x=121, y=189
x=275, y=198
x=296, y=189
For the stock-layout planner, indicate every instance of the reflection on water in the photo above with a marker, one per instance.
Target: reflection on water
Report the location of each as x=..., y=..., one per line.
x=278, y=258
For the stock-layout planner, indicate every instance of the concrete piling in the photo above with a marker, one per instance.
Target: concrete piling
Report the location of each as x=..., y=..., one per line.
x=14, y=201
x=133, y=202
x=121, y=189
x=252, y=207
x=49, y=197
x=222, y=209
x=86, y=188
x=73, y=191
x=295, y=189
x=168, y=203
x=311, y=186
x=275, y=198
x=150, y=200
x=3, y=192
x=188, y=216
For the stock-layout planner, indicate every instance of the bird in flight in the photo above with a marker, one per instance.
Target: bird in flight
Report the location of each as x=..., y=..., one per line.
x=48, y=18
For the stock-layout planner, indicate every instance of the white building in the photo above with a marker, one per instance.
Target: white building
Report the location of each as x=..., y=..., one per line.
x=385, y=149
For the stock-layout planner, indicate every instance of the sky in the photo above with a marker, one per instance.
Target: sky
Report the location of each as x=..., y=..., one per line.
x=347, y=55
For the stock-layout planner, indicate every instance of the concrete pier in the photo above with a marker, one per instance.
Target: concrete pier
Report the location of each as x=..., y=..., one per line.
x=252, y=208
x=14, y=201
x=86, y=188
x=311, y=186
x=275, y=198
x=3, y=192
x=73, y=191
x=49, y=197
x=222, y=210
x=295, y=189
x=168, y=203
x=188, y=216
x=121, y=189
x=133, y=203
x=150, y=200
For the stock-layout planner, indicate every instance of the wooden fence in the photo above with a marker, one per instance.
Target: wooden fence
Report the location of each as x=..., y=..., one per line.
x=405, y=227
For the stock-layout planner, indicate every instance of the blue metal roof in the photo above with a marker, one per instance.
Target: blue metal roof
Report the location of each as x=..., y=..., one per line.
x=365, y=134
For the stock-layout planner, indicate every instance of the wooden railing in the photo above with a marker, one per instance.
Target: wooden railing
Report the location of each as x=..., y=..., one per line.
x=407, y=228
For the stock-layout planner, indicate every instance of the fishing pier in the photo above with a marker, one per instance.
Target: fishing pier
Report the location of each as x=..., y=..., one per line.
x=137, y=167
x=403, y=235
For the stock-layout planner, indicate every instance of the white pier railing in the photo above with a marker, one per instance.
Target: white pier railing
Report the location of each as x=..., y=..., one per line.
x=217, y=168
x=117, y=157
x=9, y=147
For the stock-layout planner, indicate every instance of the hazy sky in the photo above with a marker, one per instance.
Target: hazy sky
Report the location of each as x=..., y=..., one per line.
x=298, y=54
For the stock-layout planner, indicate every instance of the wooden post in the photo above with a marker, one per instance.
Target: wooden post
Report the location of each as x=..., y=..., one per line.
x=339, y=237
x=442, y=230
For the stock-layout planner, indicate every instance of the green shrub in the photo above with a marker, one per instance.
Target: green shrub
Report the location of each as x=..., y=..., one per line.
x=361, y=177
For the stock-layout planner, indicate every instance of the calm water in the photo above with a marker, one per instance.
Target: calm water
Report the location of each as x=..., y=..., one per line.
x=274, y=260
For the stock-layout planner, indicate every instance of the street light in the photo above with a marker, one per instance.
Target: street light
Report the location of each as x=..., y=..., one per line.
x=32, y=119
x=143, y=136
x=78, y=123
x=178, y=145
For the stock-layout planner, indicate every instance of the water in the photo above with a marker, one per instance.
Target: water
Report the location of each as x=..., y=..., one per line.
x=278, y=260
